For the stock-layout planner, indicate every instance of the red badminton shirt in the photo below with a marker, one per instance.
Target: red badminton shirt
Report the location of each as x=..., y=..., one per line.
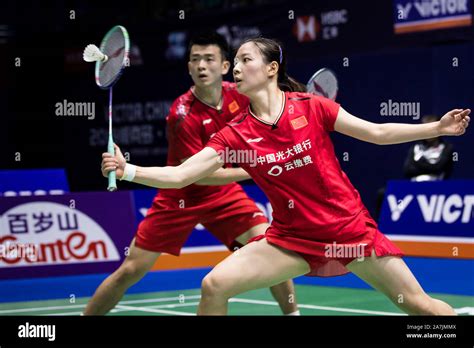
x=190, y=125
x=296, y=167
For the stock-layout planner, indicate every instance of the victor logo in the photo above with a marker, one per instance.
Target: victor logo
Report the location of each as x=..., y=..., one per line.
x=435, y=208
x=433, y=8
x=397, y=207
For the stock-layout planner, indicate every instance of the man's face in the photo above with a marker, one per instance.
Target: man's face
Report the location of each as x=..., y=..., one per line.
x=206, y=65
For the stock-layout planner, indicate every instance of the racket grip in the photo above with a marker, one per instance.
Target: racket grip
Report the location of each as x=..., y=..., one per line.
x=112, y=175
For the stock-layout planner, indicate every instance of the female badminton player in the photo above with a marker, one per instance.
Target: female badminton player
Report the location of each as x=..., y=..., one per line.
x=318, y=217
x=217, y=202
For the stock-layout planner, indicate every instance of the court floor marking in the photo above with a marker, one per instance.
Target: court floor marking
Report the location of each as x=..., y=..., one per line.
x=173, y=305
x=161, y=299
x=465, y=310
x=271, y=303
x=60, y=314
x=154, y=309
x=150, y=310
x=121, y=307
x=115, y=310
x=40, y=309
x=159, y=308
x=324, y=308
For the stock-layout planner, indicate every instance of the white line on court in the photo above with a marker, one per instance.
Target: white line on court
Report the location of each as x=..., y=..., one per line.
x=324, y=308
x=465, y=310
x=51, y=308
x=79, y=313
x=61, y=314
x=175, y=305
x=164, y=299
x=150, y=310
x=121, y=307
x=39, y=309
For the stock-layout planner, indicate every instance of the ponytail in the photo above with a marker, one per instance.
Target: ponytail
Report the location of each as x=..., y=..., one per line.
x=289, y=84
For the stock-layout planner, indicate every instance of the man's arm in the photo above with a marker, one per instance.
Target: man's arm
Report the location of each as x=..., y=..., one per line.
x=454, y=122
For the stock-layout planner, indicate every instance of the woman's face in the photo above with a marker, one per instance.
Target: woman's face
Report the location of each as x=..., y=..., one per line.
x=250, y=71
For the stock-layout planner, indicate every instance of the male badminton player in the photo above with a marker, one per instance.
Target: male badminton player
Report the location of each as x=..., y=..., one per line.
x=315, y=205
x=225, y=210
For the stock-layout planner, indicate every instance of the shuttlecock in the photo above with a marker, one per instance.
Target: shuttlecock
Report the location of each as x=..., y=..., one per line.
x=93, y=54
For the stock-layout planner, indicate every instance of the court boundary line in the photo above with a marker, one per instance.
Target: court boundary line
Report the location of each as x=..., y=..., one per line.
x=325, y=308
x=150, y=310
x=127, y=308
x=123, y=307
x=126, y=302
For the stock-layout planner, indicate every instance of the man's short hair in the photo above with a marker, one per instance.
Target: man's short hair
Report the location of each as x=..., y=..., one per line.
x=211, y=38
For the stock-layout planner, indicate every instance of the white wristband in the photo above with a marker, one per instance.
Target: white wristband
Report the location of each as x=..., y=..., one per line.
x=129, y=172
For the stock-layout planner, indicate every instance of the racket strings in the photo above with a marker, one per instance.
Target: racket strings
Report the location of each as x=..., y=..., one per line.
x=323, y=83
x=114, y=49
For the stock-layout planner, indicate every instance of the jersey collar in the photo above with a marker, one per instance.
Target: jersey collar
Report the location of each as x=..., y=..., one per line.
x=221, y=103
x=273, y=124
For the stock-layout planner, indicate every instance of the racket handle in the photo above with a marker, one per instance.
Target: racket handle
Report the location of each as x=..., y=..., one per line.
x=112, y=175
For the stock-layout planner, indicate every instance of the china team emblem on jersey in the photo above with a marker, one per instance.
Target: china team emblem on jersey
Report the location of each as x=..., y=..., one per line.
x=233, y=107
x=299, y=122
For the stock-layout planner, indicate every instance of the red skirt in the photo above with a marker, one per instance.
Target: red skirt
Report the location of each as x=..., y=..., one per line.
x=329, y=258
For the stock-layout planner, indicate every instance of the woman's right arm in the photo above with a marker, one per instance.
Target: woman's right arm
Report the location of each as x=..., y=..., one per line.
x=195, y=168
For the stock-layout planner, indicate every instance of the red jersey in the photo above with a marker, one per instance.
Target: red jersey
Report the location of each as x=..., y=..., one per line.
x=296, y=167
x=190, y=125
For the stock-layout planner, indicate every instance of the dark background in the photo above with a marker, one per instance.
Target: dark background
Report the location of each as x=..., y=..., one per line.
x=406, y=68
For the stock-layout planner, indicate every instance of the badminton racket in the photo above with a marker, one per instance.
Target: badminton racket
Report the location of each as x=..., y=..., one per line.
x=110, y=60
x=323, y=83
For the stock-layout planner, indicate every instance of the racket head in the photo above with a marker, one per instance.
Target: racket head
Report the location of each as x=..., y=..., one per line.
x=116, y=46
x=323, y=83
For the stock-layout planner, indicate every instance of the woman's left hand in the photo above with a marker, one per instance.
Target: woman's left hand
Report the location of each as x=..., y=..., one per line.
x=454, y=122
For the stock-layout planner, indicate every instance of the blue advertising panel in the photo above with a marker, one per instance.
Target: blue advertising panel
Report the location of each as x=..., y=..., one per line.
x=65, y=234
x=416, y=15
x=440, y=208
x=28, y=182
